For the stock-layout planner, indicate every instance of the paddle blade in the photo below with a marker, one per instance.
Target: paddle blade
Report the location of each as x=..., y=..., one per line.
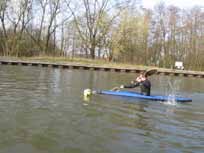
x=150, y=72
x=115, y=89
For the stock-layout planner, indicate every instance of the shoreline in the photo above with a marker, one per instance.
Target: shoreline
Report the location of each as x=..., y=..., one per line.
x=98, y=65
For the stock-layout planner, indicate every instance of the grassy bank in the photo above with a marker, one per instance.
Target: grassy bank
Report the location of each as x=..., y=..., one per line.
x=77, y=61
x=101, y=64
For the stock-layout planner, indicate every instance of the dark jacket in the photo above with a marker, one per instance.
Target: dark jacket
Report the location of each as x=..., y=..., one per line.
x=145, y=86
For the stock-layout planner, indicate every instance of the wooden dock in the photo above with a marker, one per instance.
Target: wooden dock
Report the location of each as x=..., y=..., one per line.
x=161, y=71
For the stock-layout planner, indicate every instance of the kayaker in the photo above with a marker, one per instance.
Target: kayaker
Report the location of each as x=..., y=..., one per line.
x=142, y=82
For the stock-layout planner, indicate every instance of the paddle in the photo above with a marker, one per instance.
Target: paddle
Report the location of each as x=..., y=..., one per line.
x=146, y=74
x=150, y=72
x=115, y=89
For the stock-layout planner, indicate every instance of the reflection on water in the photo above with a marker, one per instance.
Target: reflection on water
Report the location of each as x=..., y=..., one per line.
x=43, y=110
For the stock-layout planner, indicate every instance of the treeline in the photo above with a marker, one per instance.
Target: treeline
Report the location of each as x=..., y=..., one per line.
x=117, y=30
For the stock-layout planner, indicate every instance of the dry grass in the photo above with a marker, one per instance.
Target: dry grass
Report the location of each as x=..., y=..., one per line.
x=83, y=61
x=78, y=61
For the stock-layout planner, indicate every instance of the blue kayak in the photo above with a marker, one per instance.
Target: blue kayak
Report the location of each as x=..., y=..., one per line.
x=140, y=96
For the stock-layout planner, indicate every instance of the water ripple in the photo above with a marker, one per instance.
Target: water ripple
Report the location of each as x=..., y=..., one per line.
x=42, y=110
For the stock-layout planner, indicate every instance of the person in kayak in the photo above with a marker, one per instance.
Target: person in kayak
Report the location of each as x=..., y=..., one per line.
x=142, y=82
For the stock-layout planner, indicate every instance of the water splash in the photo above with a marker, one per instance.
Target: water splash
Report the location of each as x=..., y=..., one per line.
x=171, y=100
x=171, y=97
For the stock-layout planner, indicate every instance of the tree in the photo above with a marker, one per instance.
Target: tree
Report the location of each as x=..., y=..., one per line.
x=94, y=23
x=130, y=38
x=4, y=35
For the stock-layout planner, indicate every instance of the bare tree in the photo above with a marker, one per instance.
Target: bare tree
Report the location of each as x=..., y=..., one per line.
x=3, y=8
x=94, y=24
x=43, y=6
x=18, y=18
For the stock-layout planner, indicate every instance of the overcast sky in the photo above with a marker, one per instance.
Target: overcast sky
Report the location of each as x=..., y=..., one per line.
x=179, y=3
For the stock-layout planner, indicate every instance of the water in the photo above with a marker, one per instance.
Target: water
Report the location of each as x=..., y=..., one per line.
x=42, y=110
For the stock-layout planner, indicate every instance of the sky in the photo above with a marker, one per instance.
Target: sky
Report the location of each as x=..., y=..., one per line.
x=179, y=3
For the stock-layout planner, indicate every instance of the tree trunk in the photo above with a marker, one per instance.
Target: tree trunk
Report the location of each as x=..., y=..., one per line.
x=92, y=52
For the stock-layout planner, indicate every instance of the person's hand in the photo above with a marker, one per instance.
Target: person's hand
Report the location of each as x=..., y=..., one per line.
x=122, y=86
x=138, y=79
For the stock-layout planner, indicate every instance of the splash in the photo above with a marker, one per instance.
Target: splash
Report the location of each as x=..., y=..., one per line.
x=171, y=100
x=172, y=97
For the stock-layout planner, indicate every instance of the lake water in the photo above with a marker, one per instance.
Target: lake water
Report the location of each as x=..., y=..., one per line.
x=42, y=110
